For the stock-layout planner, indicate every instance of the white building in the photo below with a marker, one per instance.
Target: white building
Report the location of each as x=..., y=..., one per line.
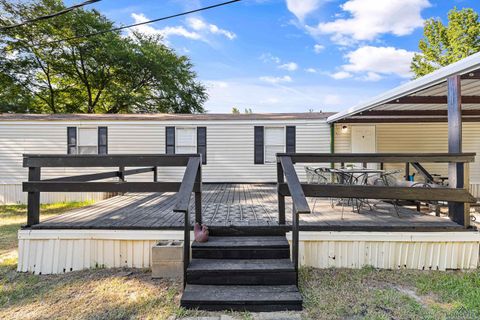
x=235, y=148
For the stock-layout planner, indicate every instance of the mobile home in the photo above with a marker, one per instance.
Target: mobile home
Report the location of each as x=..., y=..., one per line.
x=235, y=147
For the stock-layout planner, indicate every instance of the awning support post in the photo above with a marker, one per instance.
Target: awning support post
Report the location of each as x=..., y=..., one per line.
x=458, y=212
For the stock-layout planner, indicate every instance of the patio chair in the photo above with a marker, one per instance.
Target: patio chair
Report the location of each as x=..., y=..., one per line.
x=388, y=178
x=317, y=176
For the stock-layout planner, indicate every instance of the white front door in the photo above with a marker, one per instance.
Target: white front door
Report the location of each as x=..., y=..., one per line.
x=364, y=141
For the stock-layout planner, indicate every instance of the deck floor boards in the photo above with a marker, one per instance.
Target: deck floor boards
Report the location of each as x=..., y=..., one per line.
x=240, y=205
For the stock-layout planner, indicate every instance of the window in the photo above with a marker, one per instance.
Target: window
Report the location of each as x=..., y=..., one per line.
x=274, y=143
x=186, y=140
x=87, y=140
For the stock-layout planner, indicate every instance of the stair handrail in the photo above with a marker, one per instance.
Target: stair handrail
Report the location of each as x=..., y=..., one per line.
x=299, y=202
x=192, y=180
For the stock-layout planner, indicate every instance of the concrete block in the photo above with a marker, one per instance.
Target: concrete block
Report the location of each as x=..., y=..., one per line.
x=167, y=260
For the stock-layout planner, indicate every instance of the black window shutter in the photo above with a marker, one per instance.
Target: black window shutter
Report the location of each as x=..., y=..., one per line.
x=72, y=140
x=102, y=140
x=258, y=147
x=202, y=143
x=170, y=140
x=291, y=139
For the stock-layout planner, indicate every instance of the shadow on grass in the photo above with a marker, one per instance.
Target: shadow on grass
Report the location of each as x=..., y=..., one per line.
x=92, y=294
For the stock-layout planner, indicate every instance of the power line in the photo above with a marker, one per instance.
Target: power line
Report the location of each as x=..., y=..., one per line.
x=49, y=16
x=143, y=23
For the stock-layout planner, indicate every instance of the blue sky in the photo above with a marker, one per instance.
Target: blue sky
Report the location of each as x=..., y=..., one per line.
x=291, y=55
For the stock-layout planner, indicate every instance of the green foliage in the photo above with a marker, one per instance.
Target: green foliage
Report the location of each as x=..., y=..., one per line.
x=106, y=73
x=445, y=44
x=235, y=110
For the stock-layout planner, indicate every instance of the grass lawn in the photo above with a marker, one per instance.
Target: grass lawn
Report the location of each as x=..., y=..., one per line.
x=132, y=294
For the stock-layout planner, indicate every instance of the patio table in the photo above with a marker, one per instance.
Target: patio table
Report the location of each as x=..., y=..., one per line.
x=362, y=174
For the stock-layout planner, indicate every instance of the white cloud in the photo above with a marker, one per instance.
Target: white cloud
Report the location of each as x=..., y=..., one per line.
x=375, y=61
x=200, y=25
x=318, y=48
x=332, y=100
x=341, y=75
x=276, y=80
x=268, y=57
x=311, y=70
x=372, y=76
x=290, y=66
x=301, y=8
x=197, y=29
x=371, y=18
x=178, y=31
x=164, y=32
x=216, y=84
x=270, y=100
x=263, y=97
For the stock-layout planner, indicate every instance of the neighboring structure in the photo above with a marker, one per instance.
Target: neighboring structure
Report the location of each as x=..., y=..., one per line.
x=235, y=147
x=418, y=117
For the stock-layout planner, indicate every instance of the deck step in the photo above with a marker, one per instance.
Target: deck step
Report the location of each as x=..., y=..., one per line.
x=249, y=231
x=241, y=272
x=242, y=298
x=255, y=247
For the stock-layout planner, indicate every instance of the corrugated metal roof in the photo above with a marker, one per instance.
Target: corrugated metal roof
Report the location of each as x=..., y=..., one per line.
x=433, y=84
x=164, y=117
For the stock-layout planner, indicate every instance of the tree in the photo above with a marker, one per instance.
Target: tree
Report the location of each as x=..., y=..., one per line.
x=235, y=110
x=106, y=73
x=445, y=44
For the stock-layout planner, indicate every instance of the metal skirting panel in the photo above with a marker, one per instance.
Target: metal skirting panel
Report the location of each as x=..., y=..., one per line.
x=13, y=194
x=59, y=251
x=475, y=190
x=387, y=251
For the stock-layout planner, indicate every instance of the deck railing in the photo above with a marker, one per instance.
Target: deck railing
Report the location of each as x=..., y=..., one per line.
x=457, y=194
x=191, y=182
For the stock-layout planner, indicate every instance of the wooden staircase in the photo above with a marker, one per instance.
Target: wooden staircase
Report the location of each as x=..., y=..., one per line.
x=242, y=273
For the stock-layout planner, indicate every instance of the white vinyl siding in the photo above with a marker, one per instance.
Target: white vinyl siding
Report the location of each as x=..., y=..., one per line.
x=186, y=140
x=274, y=143
x=418, y=138
x=230, y=146
x=87, y=140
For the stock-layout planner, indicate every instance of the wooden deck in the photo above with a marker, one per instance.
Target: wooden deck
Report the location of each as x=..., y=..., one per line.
x=240, y=205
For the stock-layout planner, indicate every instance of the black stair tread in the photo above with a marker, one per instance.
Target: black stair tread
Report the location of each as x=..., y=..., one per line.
x=238, y=294
x=248, y=231
x=243, y=242
x=242, y=265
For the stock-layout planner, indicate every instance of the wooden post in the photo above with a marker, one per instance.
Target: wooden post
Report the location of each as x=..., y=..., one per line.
x=198, y=195
x=295, y=239
x=121, y=174
x=33, y=211
x=407, y=171
x=456, y=175
x=121, y=177
x=281, y=198
x=186, y=247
